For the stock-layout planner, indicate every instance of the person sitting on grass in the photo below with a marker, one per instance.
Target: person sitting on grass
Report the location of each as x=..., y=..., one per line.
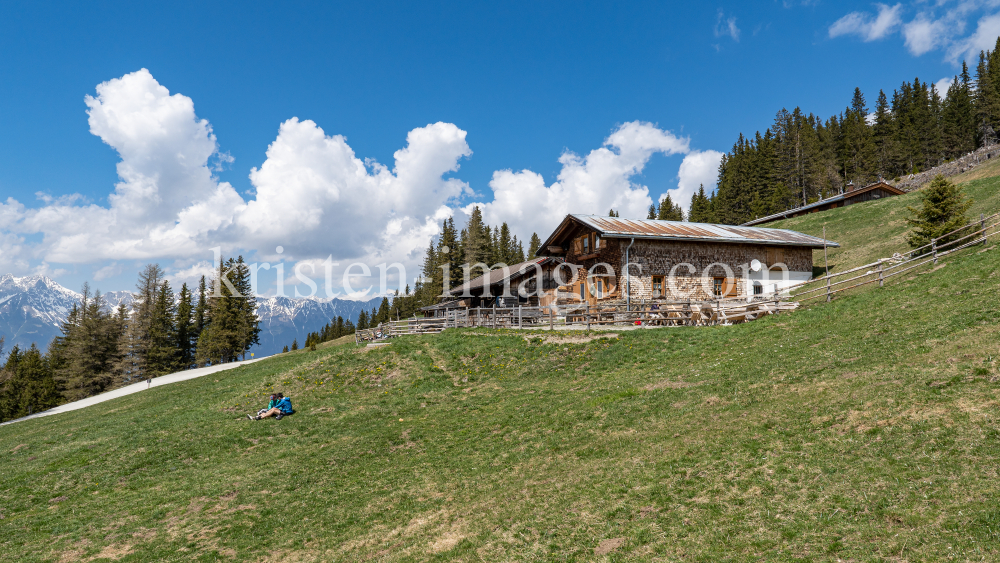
x=283, y=408
x=270, y=405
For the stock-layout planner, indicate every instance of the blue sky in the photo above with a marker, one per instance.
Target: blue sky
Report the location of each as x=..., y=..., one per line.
x=600, y=103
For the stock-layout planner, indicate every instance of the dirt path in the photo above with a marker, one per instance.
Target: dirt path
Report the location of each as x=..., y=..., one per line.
x=134, y=388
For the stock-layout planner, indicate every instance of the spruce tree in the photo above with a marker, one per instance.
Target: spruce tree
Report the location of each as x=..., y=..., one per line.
x=223, y=338
x=185, y=326
x=986, y=104
x=478, y=248
x=942, y=210
x=26, y=383
x=652, y=211
x=533, y=244
x=163, y=346
x=505, y=246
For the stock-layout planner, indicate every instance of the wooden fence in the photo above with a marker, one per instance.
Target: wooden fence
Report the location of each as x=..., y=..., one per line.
x=976, y=233
x=585, y=316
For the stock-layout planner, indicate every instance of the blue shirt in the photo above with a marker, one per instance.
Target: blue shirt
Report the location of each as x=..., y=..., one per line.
x=285, y=405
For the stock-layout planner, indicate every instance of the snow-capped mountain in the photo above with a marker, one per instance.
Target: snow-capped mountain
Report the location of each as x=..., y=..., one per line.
x=283, y=318
x=32, y=308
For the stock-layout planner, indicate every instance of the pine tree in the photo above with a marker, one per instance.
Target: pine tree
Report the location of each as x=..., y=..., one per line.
x=184, y=323
x=162, y=346
x=701, y=207
x=942, y=210
x=26, y=383
x=295, y=344
x=652, y=211
x=505, y=246
x=248, y=327
x=285, y=349
x=986, y=104
x=858, y=147
x=135, y=345
x=84, y=358
x=232, y=326
x=533, y=244
x=479, y=245
x=669, y=211
x=612, y=213
x=883, y=138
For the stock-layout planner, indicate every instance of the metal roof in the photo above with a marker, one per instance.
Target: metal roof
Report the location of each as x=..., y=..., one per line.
x=499, y=274
x=839, y=197
x=785, y=214
x=614, y=227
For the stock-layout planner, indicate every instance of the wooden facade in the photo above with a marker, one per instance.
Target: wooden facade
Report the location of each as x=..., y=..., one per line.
x=660, y=253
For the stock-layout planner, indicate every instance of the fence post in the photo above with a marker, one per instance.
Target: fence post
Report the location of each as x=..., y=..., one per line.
x=982, y=226
x=494, y=315
x=588, y=315
x=880, y=279
x=519, y=325
x=828, y=295
x=552, y=317
x=934, y=248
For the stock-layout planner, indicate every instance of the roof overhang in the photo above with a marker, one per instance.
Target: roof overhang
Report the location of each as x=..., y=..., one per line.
x=678, y=231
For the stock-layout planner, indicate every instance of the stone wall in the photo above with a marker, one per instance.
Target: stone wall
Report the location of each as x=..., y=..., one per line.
x=659, y=257
x=948, y=169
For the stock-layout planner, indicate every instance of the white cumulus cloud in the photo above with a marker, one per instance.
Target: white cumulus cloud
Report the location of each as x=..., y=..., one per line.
x=592, y=184
x=699, y=168
x=313, y=195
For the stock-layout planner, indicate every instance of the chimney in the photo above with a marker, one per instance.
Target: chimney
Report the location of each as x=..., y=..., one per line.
x=850, y=186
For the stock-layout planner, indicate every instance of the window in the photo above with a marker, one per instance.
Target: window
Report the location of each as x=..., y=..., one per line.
x=586, y=244
x=657, y=286
x=717, y=284
x=758, y=288
x=597, y=242
x=583, y=289
x=597, y=288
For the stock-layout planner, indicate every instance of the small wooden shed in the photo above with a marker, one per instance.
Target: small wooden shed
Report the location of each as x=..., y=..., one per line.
x=851, y=195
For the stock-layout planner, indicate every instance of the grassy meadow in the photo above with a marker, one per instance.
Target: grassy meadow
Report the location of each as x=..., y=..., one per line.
x=860, y=430
x=876, y=229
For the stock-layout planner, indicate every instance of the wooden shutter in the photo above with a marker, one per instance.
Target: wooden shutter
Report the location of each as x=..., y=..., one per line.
x=729, y=287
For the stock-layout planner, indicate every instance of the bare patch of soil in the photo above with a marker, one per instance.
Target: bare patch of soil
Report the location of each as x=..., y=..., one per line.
x=609, y=545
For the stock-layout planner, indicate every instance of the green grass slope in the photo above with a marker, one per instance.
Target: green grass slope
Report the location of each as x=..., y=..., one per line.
x=861, y=430
x=876, y=229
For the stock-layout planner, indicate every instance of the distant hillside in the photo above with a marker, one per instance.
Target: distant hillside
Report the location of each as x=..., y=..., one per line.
x=32, y=309
x=875, y=229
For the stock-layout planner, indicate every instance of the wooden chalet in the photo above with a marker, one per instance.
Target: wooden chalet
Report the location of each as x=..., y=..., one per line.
x=851, y=195
x=657, y=249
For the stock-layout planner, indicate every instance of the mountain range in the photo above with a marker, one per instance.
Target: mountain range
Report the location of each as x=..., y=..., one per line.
x=32, y=308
